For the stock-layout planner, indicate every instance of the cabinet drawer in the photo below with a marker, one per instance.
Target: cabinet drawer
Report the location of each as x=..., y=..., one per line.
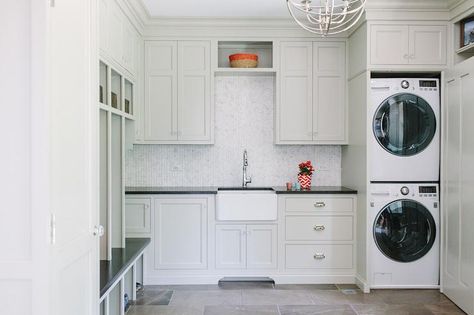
x=314, y=204
x=319, y=228
x=319, y=257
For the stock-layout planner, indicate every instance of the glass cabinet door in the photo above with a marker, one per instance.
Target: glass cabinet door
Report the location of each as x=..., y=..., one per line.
x=103, y=83
x=128, y=100
x=116, y=90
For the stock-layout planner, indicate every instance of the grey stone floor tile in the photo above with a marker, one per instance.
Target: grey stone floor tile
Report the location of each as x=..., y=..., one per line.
x=391, y=310
x=164, y=310
x=154, y=297
x=276, y=297
x=305, y=287
x=447, y=308
x=316, y=309
x=207, y=297
x=339, y=298
x=414, y=297
x=241, y=310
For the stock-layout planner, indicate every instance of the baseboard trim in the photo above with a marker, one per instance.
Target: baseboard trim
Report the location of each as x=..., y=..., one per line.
x=362, y=284
x=279, y=279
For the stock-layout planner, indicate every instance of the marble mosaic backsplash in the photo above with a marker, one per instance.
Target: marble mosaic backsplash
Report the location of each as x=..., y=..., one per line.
x=243, y=120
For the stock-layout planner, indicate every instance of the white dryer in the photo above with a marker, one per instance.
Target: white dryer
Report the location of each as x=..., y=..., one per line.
x=404, y=250
x=404, y=142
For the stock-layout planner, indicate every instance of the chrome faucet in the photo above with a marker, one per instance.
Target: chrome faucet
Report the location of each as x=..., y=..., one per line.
x=245, y=179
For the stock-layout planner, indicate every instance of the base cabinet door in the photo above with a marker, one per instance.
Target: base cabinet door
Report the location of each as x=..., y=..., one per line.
x=230, y=246
x=180, y=233
x=246, y=246
x=262, y=247
x=137, y=216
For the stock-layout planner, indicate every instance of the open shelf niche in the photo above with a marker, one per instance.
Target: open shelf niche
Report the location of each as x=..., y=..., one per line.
x=263, y=49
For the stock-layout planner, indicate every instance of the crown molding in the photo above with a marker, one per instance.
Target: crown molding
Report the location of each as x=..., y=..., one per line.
x=407, y=14
x=461, y=10
x=234, y=27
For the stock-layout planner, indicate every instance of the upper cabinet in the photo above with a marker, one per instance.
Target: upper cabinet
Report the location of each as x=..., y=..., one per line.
x=312, y=106
x=419, y=45
x=177, y=93
x=118, y=39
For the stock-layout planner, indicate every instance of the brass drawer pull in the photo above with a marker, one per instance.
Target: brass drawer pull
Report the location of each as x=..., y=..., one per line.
x=319, y=228
x=320, y=204
x=319, y=256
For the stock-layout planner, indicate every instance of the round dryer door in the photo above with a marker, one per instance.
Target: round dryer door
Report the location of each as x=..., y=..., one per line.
x=404, y=124
x=404, y=231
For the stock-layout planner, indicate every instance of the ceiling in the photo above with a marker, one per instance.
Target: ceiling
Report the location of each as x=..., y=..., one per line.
x=256, y=8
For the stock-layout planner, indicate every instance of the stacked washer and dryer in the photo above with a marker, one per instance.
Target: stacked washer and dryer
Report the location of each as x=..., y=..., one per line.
x=404, y=149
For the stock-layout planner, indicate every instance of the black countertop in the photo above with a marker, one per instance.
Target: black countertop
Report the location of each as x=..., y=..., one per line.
x=213, y=190
x=322, y=190
x=170, y=190
x=122, y=258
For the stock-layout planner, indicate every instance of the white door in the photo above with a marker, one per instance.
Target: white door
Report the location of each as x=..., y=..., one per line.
x=261, y=246
x=231, y=246
x=389, y=45
x=329, y=98
x=161, y=91
x=74, y=156
x=194, y=91
x=295, y=115
x=24, y=213
x=180, y=239
x=427, y=45
x=458, y=170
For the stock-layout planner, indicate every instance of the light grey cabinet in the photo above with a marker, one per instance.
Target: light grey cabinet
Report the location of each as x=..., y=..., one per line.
x=408, y=44
x=312, y=106
x=177, y=93
x=252, y=246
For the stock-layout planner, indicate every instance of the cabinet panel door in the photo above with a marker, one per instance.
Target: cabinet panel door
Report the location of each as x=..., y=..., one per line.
x=194, y=91
x=295, y=122
x=262, y=247
x=103, y=25
x=129, y=43
x=458, y=259
x=137, y=215
x=329, y=101
x=428, y=45
x=389, y=45
x=180, y=233
x=230, y=246
x=115, y=31
x=160, y=119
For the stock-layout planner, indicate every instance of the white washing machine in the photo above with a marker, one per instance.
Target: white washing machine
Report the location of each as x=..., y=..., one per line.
x=405, y=140
x=404, y=250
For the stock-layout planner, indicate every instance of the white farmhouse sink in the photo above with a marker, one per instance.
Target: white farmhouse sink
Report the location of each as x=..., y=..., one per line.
x=246, y=205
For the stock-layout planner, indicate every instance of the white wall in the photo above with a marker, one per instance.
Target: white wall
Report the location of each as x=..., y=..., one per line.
x=244, y=119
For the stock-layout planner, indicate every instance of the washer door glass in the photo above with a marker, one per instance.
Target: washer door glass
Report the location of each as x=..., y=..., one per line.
x=404, y=124
x=404, y=231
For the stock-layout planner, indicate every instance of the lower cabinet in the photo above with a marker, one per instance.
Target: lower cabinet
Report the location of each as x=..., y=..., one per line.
x=180, y=233
x=137, y=216
x=246, y=246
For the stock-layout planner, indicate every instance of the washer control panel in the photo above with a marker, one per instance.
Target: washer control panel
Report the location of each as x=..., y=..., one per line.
x=427, y=191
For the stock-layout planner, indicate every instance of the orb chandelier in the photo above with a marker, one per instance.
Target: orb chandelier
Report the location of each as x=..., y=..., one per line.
x=326, y=17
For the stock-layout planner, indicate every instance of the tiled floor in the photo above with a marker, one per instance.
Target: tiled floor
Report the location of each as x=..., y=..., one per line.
x=288, y=300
